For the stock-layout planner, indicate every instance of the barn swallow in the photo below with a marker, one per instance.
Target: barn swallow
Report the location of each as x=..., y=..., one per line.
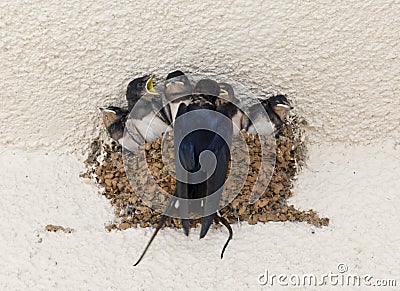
x=277, y=108
x=114, y=120
x=207, y=89
x=228, y=100
x=204, y=96
x=280, y=105
x=188, y=154
x=136, y=89
x=147, y=121
x=177, y=90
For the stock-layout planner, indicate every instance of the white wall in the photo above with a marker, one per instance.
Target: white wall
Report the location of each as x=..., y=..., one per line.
x=339, y=61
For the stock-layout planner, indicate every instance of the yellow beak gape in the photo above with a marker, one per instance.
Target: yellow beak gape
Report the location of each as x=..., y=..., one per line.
x=150, y=87
x=223, y=92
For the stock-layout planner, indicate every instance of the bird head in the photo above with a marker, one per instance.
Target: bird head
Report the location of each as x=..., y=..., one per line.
x=177, y=85
x=208, y=89
x=226, y=94
x=174, y=74
x=112, y=114
x=139, y=87
x=226, y=91
x=280, y=105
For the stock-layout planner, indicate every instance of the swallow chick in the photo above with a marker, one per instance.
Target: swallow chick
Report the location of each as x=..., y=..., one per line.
x=207, y=89
x=147, y=120
x=228, y=100
x=114, y=120
x=281, y=107
x=136, y=89
x=277, y=108
x=177, y=90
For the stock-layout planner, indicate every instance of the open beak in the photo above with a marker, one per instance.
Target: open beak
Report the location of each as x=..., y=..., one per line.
x=223, y=92
x=150, y=87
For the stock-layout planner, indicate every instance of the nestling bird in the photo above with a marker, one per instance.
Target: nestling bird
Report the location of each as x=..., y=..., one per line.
x=277, y=108
x=280, y=106
x=228, y=100
x=177, y=90
x=207, y=89
x=147, y=120
x=136, y=89
x=114, y=120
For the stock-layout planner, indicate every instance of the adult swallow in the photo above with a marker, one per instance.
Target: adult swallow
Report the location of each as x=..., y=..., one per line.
x=188, y=153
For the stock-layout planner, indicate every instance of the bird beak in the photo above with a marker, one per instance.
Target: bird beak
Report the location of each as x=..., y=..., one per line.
x=108, y=116
x=106, y=110
x=223, y=92
x=284, y=106
x=150, y=87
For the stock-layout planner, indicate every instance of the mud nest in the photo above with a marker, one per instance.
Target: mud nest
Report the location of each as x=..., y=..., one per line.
x=105, y=164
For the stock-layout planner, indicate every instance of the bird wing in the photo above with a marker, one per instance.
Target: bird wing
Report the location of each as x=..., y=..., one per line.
x=160, y=110
x=132, y=138
x=188, y=153
x=214, y=185
x=260, y=120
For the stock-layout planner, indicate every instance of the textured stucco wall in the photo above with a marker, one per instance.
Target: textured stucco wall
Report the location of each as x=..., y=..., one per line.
x=338, y=60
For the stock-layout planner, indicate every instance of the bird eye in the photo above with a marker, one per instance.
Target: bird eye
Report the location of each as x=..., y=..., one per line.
x=141, y=84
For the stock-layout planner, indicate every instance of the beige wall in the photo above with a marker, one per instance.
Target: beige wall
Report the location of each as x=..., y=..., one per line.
x=339, y=61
